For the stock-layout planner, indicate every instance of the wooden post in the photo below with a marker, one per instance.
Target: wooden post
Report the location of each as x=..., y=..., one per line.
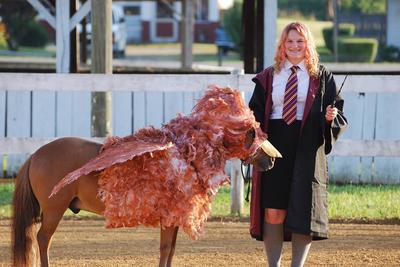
x=83, y=43
x=74, y=48
x=270, y=24
x=62, y=36
x=248, y=35
x=237, y=183
x=260, y=17
x=187, y=34
x=101, y=63
x=237, y=188
x=62, y=23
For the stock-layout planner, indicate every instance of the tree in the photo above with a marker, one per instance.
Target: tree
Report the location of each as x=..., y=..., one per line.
x=320, y=9
x=307, y=8
x=364, y=6
x=14, y=14
x=233, y=22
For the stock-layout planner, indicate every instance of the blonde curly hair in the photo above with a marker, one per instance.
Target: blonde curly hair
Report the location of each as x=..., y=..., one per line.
x=311, y=55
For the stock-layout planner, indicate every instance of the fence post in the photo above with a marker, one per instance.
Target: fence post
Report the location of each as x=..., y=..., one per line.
x=237, y=188
x=237, y=183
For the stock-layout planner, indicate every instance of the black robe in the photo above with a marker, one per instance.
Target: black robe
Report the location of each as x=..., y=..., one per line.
x=307, y=210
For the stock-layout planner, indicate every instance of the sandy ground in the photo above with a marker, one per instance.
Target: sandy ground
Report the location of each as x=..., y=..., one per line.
x=88, y=243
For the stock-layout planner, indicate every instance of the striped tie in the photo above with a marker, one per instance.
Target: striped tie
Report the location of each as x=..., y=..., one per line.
x=290, y=100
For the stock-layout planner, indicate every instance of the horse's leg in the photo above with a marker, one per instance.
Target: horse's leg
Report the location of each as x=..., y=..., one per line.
x=167, y=244
x=172, y=251
x=50, y=221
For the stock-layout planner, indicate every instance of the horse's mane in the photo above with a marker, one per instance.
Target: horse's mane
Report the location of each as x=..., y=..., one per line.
x=220, y=99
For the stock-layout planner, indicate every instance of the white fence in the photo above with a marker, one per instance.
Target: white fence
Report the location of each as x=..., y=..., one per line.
x=36, y=108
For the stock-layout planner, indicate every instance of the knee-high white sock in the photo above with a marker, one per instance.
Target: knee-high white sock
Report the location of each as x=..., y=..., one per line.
x=273, y=242
x=300, y=246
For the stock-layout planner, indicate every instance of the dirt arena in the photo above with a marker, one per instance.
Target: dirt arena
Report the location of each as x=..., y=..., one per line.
x=88, y=243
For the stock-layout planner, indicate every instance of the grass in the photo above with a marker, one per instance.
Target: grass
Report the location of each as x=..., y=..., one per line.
x=364, y=202
x=46, y=52
x=221, y=205
x=6, y=191
x=346, y=202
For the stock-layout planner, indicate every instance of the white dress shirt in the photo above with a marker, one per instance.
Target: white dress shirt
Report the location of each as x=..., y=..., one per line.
x=279, y=85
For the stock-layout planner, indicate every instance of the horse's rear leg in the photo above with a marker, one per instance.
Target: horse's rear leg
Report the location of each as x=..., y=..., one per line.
x=167, y=245
x=50, y=221
x=172, y=251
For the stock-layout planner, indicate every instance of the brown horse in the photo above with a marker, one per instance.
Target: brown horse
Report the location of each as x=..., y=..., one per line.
x=49, y=164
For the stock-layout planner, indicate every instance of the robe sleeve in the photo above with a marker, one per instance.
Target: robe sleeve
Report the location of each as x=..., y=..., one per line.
x=257, y=103
x=333, y=129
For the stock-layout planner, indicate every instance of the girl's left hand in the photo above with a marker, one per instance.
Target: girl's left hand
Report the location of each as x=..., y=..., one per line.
x=331, y=113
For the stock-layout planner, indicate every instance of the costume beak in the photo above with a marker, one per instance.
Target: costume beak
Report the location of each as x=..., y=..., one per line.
x=264, y=157
x=270, y=150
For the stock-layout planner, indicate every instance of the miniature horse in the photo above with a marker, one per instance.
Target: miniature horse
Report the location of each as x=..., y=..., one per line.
x=49, y=164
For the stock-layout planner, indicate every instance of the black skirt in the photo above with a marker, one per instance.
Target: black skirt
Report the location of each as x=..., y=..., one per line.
x=275, y=184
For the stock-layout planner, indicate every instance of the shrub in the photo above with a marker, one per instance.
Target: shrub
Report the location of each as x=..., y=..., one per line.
x=344, y=30
x=35, y=35
x=357, y=49
x=232, y=23
x=390, y=53
x=27, y=32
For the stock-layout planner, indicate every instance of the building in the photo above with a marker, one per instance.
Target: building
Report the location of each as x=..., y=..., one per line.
x=158, y=21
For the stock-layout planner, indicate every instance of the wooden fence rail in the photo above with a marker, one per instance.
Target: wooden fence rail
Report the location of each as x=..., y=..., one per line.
x=344, y=148
x=170, y=82
x=36, y=108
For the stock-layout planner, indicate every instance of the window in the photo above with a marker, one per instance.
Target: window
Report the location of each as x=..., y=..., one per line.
x=165, y=8
x=201, y=9
x=132, y=10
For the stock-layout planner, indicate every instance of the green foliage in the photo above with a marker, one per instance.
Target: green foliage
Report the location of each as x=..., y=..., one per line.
x=344, y=30
x=364, y=202
x=222, y=203
x=33, y=35
x=6, y=192
x=14, y=15
x=357, y=49
x=389, y=53
x=30, y=32
x=3, y=40
x=303, y=8
x=318, y=9
x=364, y=6
x=349, y=202
x=232, y=22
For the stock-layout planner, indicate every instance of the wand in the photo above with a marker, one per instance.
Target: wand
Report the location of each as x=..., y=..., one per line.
x=340, y=90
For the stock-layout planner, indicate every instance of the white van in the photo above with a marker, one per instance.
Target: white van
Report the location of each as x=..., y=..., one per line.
x=118, y=31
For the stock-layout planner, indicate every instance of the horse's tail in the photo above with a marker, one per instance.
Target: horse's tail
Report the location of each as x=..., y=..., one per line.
x=26, y=213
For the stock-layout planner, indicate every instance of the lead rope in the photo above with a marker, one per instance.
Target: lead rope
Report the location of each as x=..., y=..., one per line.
x=246, y=178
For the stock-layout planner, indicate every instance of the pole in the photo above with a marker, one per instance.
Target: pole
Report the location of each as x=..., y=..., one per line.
x=74, y=39
x=237, y=188
x=187, y=34
x=101, y=63
x=260, y=17
x=248, y=25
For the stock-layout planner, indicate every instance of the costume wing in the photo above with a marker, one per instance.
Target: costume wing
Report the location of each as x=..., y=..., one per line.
x=118, y=153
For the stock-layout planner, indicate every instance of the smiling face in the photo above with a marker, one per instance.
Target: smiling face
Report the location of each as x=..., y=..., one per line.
x=295, y=47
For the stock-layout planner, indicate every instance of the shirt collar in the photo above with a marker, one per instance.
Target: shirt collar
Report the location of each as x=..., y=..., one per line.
x=288, y=65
